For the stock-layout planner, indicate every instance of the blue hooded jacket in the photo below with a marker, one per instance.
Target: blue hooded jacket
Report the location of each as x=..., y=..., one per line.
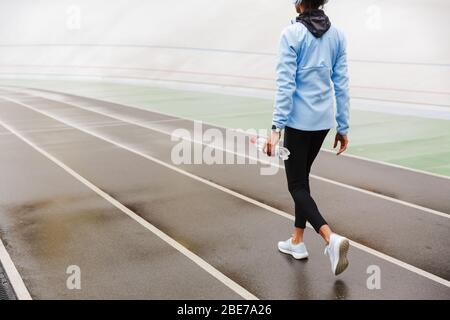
x=312, y=75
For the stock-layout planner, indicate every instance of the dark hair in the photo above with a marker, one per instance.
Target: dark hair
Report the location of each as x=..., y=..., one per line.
x=313, y=4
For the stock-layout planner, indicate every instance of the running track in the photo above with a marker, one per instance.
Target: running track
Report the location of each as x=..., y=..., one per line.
x=90, y=183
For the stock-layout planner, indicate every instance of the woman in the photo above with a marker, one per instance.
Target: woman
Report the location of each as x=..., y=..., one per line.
x=312, y=62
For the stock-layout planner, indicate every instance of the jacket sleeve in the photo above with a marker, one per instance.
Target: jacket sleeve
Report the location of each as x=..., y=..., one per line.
x=286, y=74
x=341, y=88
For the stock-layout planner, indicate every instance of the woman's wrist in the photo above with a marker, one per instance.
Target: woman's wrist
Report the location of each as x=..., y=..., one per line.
x=277, y=130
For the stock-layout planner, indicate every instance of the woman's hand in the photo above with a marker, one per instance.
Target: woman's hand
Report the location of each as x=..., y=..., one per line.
x=343, y=141
x=271, y=143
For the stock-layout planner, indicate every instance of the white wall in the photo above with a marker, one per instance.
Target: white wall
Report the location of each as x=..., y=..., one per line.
x=399, y=50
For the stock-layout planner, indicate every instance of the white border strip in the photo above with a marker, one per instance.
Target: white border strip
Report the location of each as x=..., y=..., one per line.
x=14, y=277
x=340, y=184
x=189, y=254
x=371, y=251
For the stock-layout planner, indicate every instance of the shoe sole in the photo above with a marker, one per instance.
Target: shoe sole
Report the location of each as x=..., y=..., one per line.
x=343, y=261
x=295, y=255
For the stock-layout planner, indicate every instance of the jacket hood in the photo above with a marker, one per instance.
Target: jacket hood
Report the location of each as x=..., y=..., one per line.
x=316, y=21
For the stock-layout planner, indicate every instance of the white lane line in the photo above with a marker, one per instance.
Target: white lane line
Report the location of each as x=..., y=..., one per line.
x=286, y=215
x=189, y=254
x=64, y=128
x=396, y=166
x=14, y=277
x=340, y=184
x=401, y=202
x=238, y=114
x=40, y=92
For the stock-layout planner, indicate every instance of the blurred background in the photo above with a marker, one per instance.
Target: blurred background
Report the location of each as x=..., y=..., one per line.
x=214, y=61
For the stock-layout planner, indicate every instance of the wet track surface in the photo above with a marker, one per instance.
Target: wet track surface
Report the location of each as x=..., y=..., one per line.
x=52, y=222
x=371, y=217
x=55, y=221
x=432, y=191
x=6, y=291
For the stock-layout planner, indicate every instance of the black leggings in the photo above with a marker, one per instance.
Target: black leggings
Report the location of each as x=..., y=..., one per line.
x=304, y=147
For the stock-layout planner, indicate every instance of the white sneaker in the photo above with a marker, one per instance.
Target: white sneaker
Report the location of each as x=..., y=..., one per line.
x=337, y=252
x=298, y=251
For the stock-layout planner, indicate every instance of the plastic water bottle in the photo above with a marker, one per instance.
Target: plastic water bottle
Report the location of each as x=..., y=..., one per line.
x=280, y=152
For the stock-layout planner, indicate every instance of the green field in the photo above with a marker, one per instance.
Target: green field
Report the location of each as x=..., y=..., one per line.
x=408, y=141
